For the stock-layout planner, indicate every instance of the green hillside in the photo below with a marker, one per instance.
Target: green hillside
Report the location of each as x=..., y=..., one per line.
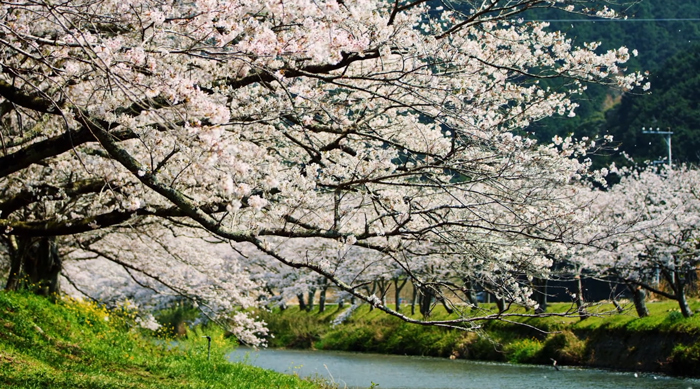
x=673, y=104
x=667, y=39
x=72, y=344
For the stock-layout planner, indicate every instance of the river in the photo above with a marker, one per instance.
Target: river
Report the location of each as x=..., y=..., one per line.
x=355, y=370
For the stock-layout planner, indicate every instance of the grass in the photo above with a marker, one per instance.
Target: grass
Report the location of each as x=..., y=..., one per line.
x=72, y=344
x=665, y=335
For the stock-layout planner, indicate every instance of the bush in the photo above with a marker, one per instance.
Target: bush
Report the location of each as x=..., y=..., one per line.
x=481, y=347
x=523, y=351
x=565, y=347
x=685, y=359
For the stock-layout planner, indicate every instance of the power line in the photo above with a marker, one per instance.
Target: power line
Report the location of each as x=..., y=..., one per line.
x=618, y=20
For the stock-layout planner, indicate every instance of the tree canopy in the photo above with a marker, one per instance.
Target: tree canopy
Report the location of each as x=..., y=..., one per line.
x=386, y=126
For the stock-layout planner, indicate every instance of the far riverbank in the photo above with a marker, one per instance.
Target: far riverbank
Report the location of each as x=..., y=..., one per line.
x=664, y=342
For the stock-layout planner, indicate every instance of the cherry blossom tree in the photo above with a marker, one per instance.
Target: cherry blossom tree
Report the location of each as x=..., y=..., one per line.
x=659, y=211
x=596, y=228
x=156, y=265
x=391, y=126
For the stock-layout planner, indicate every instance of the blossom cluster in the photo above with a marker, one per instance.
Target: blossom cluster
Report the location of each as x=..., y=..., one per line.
x=361, y=124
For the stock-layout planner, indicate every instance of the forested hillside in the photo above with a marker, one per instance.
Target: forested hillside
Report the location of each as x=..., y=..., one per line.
x=656, y=29
x=673, y=104
x=666, y=38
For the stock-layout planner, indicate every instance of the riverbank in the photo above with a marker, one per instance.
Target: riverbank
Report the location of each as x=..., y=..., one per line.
x=663, y=342
x=72, y=344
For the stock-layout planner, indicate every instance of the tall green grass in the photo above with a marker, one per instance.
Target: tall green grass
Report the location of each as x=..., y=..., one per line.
x=73, y=344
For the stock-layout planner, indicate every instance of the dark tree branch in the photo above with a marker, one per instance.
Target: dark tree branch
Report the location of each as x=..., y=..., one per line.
x=27, y=100
x=51, y=147
x=28, y=197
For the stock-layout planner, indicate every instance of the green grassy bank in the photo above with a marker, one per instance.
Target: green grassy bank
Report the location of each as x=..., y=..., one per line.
x=663, y=342
x=72, y=344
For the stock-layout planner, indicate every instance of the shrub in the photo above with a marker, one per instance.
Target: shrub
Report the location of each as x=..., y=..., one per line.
x=523, y=351
x=685, y=359
x=565, y=347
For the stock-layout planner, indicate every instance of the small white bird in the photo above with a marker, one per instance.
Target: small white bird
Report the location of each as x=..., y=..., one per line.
x=554, y=363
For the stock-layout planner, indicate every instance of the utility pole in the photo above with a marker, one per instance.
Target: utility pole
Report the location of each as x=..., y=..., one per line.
x=667, y=137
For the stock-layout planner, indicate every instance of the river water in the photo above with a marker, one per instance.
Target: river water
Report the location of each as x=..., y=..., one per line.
x=355, y=370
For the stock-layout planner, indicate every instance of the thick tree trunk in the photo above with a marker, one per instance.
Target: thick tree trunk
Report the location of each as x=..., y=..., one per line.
x=501, y=304
x=679, y=287
x=35, y=264
x=322, y=299
x=580, y=303
x=370, y=292
x=685, y=308
x=302, y=304
x=397, y=292
x=383, y=290
x=427, y=295
x=15, y=265
x=540, y=294
x=639, y=299
x=310, y=300
x=414, y=298
x=469, y=293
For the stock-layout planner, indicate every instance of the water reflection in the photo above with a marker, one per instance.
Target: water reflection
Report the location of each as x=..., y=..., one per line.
x=354, y=370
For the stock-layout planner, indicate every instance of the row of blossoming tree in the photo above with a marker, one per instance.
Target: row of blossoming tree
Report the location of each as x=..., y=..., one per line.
x=654, y=243
x=640, y=235
x=330, y=139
